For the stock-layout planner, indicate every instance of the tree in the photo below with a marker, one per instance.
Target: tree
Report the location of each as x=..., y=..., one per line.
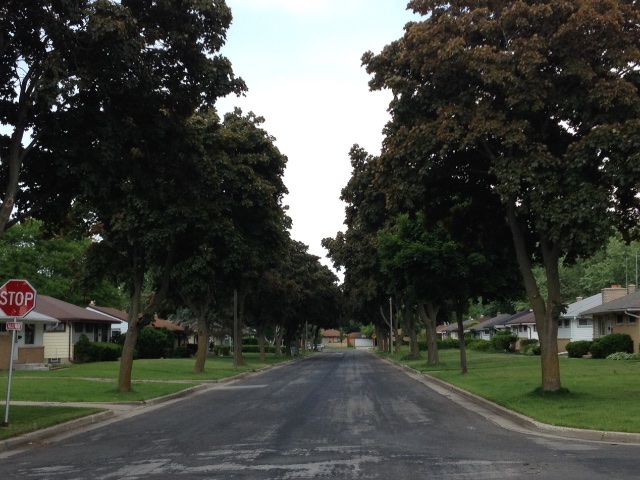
x=143, y=70
x=38, y=40
x=356, y=250
x=239, y=192
x=54, y=266
x=491, y=102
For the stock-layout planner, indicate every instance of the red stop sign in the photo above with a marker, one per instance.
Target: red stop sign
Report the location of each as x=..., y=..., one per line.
x=17, y=298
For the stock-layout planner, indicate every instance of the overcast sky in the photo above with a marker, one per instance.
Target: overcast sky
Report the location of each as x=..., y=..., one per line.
x=301, y=62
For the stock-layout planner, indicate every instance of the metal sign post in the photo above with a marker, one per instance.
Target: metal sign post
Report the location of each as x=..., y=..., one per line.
x=14, y=327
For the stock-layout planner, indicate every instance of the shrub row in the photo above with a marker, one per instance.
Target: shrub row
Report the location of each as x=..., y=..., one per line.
x=86, y=351
x=601, y=347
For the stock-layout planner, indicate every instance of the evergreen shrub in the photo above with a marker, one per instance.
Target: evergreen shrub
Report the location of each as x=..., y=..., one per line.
x=612, y=343
x=503, y=341
x=579, y=348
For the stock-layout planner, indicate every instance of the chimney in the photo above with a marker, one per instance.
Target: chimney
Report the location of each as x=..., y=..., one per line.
x=613, y=293
x=631, y=288
x=579, y=298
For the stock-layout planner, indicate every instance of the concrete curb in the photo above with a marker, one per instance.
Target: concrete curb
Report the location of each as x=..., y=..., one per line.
x=513, y=420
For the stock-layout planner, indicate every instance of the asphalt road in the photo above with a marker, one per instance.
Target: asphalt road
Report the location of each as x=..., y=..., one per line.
x=339, y=414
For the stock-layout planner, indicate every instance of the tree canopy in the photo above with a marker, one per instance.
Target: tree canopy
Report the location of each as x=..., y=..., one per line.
x=492, y=102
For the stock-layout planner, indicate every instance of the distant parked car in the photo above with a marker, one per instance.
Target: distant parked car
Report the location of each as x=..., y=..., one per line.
x=319, y=347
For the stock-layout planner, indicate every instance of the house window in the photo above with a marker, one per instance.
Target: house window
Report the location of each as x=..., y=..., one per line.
x=78, y=327
x=619, y=319
x=3, y=327
x=29, y=334
x=58, y=327
x=585, y=322
x=631, y=320
x=88, y=327
x=567, y=323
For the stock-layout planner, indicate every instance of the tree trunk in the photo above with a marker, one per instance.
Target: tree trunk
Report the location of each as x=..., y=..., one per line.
x=262, y=341
x=428, y=313
x=131, y=338
x=412, y=327
x=546, y=313
x=463, y=345
x=278, y=342
x=237, y=346
x=396, y=333
x=203, y=342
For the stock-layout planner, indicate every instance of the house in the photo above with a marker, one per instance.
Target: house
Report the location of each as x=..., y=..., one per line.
x=451, y=330
x=330, y=335
x=523, y=325
x=621, y=315
x=487, y=328
x=120, y=315
x=572, y=326
x=73, y=321
x=29, y=347
x=180, y=334
x=358, y=340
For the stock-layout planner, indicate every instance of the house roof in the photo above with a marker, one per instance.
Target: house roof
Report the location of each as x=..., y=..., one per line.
x=68, y=312
x=330, y=332
x=467, y=324
x=522, y=318
x=110, y=312
x=630, y=302
x=32, y=317
x=575, y=309
x=162, y=323
x=492, y=322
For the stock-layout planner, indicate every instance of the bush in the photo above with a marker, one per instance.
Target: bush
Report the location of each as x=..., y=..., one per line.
x=448, y=344
x=612, y=343
x=479, y=345
x=155, y=343
x=249, y=341
x=623, y=356
x=579, y=348
x=530, y=346
x=503, y=340
x=86, y=351
x=82, y=350
x=222, y=350
x=182, y=352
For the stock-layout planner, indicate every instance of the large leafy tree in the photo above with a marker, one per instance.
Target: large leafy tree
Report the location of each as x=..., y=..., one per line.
x=237, y=226
x=356, y=249
x=531, y=107
x=142, y=70
x=38, y=40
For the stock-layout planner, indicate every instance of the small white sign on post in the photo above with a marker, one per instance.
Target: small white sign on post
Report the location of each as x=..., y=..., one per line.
x=14, y=325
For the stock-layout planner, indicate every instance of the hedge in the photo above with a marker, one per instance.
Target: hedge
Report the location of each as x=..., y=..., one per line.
x=612, y=343
x=579, y=348
x=86, y=351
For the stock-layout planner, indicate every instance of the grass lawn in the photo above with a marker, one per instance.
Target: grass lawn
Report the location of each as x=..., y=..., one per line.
x=98, y=382
x=602, y=394
x=24, y=419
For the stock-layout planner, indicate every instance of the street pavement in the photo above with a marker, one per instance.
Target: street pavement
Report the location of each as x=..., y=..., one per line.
x=344, y=414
